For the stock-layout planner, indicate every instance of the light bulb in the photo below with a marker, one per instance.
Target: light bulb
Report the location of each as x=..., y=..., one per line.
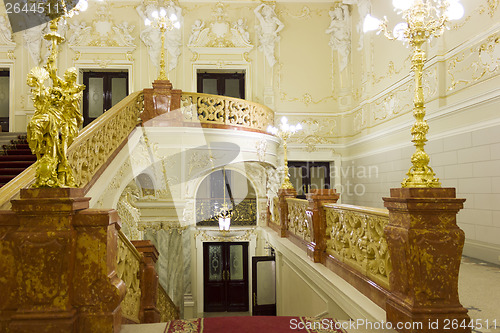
x=163, y=13
x=286, y=127
x=177, y=25
x=371, y=23
x=402, y=4
x=155, y=14
x=82, y=5
x=399, y=30
x=298, y=127
x=284, y=120
x=147, y=21
x=173, y=17
x=455, y=10
x=292, y=128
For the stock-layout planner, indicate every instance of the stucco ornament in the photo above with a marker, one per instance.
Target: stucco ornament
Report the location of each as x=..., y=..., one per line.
x=151, y=36
x=340, y=34
x=364, y=8
x=5, y=33
x=268, y=30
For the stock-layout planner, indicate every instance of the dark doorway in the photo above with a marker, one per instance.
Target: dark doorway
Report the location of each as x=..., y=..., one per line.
x=307, y=176
x=264, y=286
x=223, y=84
x=4, y=99
x=102, y=91
x=225, y=267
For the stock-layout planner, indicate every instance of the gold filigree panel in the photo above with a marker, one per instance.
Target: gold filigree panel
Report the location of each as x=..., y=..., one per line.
x=476, y=64
x=167, y=308
x=244, y=214
x=357, y=238
x=93, y=147
x=128, y=269
x=299, y=219
x=213, y=109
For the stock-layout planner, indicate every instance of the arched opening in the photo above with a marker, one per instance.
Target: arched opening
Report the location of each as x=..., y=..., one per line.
x=226, y=187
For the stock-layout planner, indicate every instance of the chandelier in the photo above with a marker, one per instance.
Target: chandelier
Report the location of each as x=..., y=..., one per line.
x=224, y=213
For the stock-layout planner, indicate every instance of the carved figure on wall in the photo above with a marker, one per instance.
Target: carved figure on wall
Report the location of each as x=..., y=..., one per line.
x=268, y=30
x=196, y=28
x=273, y=184
x=364, y=8
x=173, y=38
x=151, y=36
x=5, y=32
x=241, y=26
x=79, y=33
x=340, y=34
x=33, y=40
x=123, y=33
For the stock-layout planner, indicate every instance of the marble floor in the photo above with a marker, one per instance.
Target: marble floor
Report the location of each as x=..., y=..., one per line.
x=479, y=289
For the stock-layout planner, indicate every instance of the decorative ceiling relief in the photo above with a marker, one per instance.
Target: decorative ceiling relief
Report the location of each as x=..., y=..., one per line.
x=212, y=36
x=6, y=42
x=475, y=64
x=151, y=36
x=101, y=35
x=268, y=30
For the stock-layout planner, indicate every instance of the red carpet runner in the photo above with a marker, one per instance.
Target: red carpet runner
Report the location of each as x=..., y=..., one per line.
x=255, y=324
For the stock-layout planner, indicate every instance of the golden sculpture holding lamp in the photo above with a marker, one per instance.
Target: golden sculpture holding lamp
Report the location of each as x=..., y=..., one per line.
x=57, y=118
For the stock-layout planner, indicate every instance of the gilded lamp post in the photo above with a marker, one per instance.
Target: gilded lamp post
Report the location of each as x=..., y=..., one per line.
x=284, y=131
x=422, y=21
x=164, y=23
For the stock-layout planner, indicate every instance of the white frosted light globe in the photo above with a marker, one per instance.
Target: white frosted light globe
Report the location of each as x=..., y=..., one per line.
x=155, y=14
x=399, y=30
x=402, y=4
x=177, y=25
x=147, y=21
x=284, y=120
x=371, y=23
x=173, y=17
x=163, y=12
x=455, y=10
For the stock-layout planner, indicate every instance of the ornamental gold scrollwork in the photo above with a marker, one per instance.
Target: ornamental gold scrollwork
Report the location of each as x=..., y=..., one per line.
x=128, y=270
x=299, y=221
x=244, y=213
x=357, y=238
x=167, y=308
x=213, y=109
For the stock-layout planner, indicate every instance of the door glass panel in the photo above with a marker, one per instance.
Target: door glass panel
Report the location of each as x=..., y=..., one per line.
x=233, y=88
x=118, y=89
x=215, y=262
x=317, y=175
x=236, y=262
x=210, y=86
x=96, y=96
x=296, y=174
x=266, y=284
x=4, y=96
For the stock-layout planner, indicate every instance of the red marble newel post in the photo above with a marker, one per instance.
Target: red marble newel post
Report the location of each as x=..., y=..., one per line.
x=425, y=245
x=162, y=105
x=149, y=312
x=283, y=208
x=317, y=198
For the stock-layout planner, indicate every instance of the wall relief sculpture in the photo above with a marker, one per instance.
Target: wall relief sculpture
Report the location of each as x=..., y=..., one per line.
x=6, y=41
x=268, y=30
x=340, y=34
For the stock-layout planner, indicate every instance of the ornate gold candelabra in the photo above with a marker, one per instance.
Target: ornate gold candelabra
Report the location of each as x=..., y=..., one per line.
x=284, y=131
x=57, y=116
x=422, y=21
x=165, y=23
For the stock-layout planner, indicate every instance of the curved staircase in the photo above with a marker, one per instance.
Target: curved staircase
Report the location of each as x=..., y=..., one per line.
x=15, y=156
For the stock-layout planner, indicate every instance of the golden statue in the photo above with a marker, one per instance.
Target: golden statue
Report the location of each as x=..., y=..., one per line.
x=57, y=119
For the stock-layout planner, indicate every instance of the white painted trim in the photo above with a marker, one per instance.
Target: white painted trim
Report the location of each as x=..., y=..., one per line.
x=483, y=251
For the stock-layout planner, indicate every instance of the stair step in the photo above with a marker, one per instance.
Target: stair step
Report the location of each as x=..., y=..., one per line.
x=11, y=171
x=17, y=158
x=19, y=152
x=6, y=179
x=15, y=164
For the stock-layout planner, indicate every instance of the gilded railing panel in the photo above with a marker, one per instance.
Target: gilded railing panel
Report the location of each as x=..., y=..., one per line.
x=167, y=308
x=222, y=110
x=299, y=219
x=128, y=269
x=355, y=236
x=91, y=149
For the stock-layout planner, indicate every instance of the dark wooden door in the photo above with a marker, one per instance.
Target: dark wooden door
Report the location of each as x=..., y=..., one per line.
x=225, y=269
x=307, y=176
x=223, y=84
x=264, y=286
x=102, y=91
x=4, y=99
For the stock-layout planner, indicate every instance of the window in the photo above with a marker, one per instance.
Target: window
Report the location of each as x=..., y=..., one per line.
x=102, y=91
x=224, y=84
x=307, y=176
